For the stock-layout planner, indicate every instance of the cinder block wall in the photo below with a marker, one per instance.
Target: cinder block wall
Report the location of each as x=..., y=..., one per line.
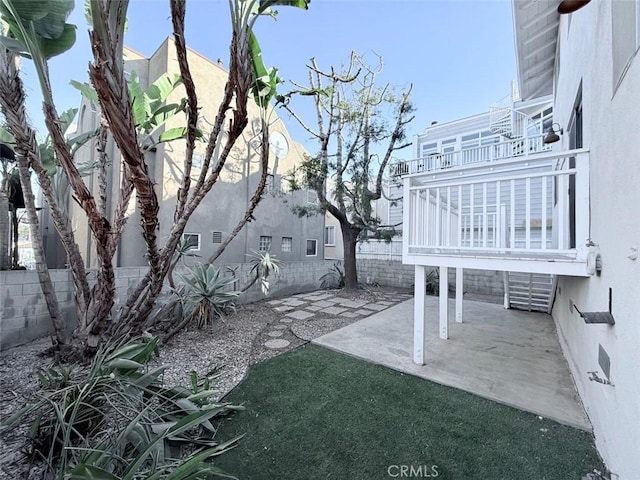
x=393, y=273
x=24, y=316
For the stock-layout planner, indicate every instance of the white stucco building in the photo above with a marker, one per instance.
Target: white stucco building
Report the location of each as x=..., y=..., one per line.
x=567, y=209
x=593, y=67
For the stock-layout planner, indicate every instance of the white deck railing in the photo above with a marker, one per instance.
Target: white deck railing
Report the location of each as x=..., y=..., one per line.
x=513, y=207
x=486, y=153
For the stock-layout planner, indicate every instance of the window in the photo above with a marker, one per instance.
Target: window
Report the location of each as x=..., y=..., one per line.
x=191, y=241
x=287, y=243
x=487, y=138
x=265, y=243
x=470, y=141
x=449, y=145
x=312, y=197
x=270, y=185
x=330, y=236
x=429, y=149
x=312, y=248
x=216, y=237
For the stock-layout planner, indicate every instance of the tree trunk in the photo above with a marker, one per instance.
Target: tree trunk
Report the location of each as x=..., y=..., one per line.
x=4, y=231
x=15, y=237
x=350, y=240
x=46, y=284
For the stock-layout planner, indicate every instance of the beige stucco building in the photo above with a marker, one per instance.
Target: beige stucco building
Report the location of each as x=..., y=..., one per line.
x=276, y=228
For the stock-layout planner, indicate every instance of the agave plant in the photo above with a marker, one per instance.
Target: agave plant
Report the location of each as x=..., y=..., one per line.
x=117, y=420
x=205, y=294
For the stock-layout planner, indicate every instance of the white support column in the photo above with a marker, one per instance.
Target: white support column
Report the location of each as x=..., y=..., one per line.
x=505, y=280
x=419, y=323
x=459, y=293
x=444, y=302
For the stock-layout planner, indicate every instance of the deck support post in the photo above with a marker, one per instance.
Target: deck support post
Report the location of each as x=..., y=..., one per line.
x=444, y=302
x=419, y=322
x=459, y=293
x=505, y=281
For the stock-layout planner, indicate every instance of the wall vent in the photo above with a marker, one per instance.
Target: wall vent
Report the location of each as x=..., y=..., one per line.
x=604, y=361
x=216, y=237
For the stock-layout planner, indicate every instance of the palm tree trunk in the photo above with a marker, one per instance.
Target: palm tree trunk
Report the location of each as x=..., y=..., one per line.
x=61, y=336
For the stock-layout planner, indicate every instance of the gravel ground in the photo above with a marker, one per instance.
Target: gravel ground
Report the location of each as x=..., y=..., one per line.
x=234, y=344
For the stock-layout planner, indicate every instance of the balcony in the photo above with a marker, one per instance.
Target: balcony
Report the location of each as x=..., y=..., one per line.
x=513, y=148
x=508, y=206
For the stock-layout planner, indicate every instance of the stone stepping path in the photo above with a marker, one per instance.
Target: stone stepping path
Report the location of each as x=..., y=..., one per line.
x=310, y=315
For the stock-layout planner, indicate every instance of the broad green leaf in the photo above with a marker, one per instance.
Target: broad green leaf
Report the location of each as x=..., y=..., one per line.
x=162, y=87
x=173, y=134
x=48, y=158
x=26, y=10
x=86, y=90
x=52, y=47
x=14, y=46
x=124, y=364
x=52, y=25
x=202, y=395
x=149, y=378
x=304, y=4
x=141, y=109
x=77, y=141
x=90, y=472
x=66, y=118
x=162, y=114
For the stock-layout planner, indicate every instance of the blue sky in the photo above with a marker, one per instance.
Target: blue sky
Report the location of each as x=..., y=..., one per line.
x=459, y=55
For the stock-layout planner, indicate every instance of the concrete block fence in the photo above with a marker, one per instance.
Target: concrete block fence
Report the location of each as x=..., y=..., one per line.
x=394, y=274
x=24, y=316
x=23, y=311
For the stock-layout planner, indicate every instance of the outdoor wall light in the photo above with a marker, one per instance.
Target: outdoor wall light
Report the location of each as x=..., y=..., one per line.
x=552, y=134
x=570, y=6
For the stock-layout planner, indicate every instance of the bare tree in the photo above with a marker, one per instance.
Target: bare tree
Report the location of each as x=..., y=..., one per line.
x=355, y=145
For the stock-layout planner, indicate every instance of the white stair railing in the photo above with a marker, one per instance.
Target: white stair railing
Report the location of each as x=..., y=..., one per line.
x=510, y=123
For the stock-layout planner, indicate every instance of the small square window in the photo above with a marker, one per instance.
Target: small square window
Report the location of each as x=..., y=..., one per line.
x=312, y=248
x=312, y=197
x=191, y=241
x=330, y=236
x=265, y=243
x=287, y=244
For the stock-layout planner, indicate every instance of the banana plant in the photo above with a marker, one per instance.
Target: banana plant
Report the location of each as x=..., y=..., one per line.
x=149, y=107
x=38, y=30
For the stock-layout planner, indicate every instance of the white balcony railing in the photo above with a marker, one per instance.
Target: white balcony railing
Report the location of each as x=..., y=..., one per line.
x=486, y=153
x=519, y=208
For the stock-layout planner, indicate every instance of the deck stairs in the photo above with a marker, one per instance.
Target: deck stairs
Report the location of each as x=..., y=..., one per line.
x=533, y=292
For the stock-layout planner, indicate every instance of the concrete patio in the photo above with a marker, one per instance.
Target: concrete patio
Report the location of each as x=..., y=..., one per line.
x=508, y=356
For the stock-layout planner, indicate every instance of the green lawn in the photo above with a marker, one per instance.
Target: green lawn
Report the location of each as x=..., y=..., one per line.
x=316, y=414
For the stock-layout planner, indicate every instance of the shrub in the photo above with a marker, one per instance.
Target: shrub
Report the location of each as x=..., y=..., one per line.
x=334, y=278
x=118, y=420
